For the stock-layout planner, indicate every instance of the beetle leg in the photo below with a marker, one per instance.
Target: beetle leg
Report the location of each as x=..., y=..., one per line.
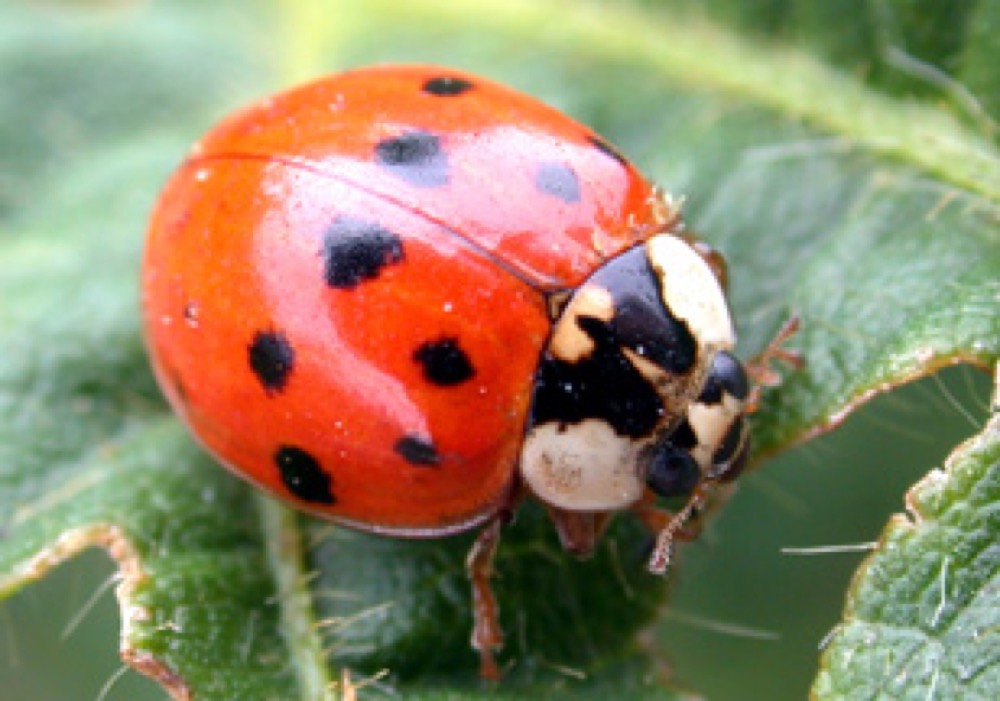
x=487, y=636
x=760, y=368
x=655, y=518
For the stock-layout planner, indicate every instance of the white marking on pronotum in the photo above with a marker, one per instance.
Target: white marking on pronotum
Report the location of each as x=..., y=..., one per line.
x=691, y=291
x=570, y=342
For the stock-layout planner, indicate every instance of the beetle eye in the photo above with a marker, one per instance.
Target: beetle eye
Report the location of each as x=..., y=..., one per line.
x=726, y=376
x=672, y=471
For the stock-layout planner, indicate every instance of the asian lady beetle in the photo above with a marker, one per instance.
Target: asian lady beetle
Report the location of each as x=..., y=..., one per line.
x=405, y=297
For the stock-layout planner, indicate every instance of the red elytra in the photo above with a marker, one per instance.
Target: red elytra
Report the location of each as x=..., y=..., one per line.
x=348, y=289
x=236, y=246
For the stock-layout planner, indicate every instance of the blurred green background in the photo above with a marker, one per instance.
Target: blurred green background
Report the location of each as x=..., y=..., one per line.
x=59, y=637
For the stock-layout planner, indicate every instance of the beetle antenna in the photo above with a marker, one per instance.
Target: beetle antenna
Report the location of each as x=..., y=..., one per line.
x=663, y=551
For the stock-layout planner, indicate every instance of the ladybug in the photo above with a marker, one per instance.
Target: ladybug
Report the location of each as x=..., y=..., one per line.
x=405, y=298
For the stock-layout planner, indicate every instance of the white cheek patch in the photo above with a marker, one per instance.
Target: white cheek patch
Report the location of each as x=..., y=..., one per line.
x=711, y=423
x=691, y=291
x=583, y=467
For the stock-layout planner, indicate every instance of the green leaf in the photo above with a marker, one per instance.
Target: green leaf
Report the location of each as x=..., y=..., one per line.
x=865, y=206
x=922, y=617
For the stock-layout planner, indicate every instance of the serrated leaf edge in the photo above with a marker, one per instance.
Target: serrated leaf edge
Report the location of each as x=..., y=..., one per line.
x=913, y=518
x=924, y=365
x=131, y=573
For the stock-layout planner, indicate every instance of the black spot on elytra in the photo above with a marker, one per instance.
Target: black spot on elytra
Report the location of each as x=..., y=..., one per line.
x=192, y=310
x=416, y=157
x=558, y=180
x=726, y=376
x=302, y=475
x=603, y=385
x=607, y=149
x=444, y=362
x=417, y=451
x=272, y=359
x=446, y=86
x=355, y=250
